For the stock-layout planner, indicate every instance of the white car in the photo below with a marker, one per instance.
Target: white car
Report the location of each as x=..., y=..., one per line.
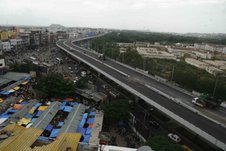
x=174, y=137
x=197, y=102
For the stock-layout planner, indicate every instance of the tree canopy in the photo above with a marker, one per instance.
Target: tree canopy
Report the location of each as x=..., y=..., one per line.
x=116, y=110
x=26, y=67
x=54, y=85
x=161, y=143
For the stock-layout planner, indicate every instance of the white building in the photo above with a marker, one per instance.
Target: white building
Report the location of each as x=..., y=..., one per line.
x=119, y=148
x=6, y=46
x=202, y=55
x=16, y=43
x=157, y=43
x=213, y=70
x=125, y=44
x=154, y=53
x=196, y=63
x=217, y=63
x=224, y=50
x=179, y=52
x=211, y=47
x=142, y=44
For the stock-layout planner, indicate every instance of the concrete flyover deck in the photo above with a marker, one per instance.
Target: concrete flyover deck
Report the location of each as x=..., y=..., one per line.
x=212, y=132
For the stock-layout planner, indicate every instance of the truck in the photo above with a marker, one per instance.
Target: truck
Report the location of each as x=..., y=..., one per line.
x=204, y=100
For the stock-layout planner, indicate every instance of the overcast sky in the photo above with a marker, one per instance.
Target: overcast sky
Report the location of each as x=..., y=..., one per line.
x=154, y=15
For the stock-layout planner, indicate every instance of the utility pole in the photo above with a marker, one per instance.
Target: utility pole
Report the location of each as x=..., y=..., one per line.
x=111, y=53
x=172, y=74
x=123, y=57
x=144, y=63
x=215, y=86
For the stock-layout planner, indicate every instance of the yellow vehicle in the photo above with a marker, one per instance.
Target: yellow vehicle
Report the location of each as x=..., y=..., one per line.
x=186, y=148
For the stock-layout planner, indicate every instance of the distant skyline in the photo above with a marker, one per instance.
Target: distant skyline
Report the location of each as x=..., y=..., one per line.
x=181, y=16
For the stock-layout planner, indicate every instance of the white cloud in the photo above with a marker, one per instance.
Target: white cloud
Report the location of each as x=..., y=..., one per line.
x=158, y=15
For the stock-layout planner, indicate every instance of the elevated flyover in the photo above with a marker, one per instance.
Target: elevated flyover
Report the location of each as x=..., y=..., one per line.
x=211, y=131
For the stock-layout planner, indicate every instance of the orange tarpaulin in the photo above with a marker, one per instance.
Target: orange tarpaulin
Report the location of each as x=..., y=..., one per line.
x=17, y=106
x=90, y=125
x=69, y=99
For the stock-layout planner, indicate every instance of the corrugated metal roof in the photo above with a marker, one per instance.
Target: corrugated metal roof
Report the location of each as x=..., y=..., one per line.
x=47, y=116
x=24, y=137
x=97, y=127
x=63, y=141
x=73, y=119
x=19, y=114
x=22, y=140
x=16, y=129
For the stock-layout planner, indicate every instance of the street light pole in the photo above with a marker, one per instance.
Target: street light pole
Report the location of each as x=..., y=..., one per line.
x=172, y=74
x=144, y=64
x=215, y=86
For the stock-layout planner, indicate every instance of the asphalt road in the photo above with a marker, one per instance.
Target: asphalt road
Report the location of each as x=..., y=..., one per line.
x=206, y=125
x=218, y=114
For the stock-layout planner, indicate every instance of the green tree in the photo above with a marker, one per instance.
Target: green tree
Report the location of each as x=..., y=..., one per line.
x=54, y=85
x=160, y=143
x=27, y=67
x=82, y=83
x=116, y=111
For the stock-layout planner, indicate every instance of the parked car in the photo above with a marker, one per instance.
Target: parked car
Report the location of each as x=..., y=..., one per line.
x=154, y=124
x=174, y=137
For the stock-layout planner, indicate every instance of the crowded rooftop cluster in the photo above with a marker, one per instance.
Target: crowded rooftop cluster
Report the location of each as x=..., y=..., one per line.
x=47, y=121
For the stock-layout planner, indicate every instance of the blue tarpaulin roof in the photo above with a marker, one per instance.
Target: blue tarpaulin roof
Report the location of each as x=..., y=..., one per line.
x=86, y=138
x=39, y=113
x=74, y=103
x=85, y=115
x=6, y=112
x=4, y=92
x=62, y=107
x=49, y=127
x=92, y=113
x=81, y=124
x=90, y=120
x=60, y=124
x=5, y=116
x=24, y=103
x=81, y=130
x=67, y=108
x=33, y=120
x=64, y=103
x=28, y=116
x=25, y=78
x=42, y=138
x=12, y=110
x=55, y=132
x=38, y=104
x=89, y=130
